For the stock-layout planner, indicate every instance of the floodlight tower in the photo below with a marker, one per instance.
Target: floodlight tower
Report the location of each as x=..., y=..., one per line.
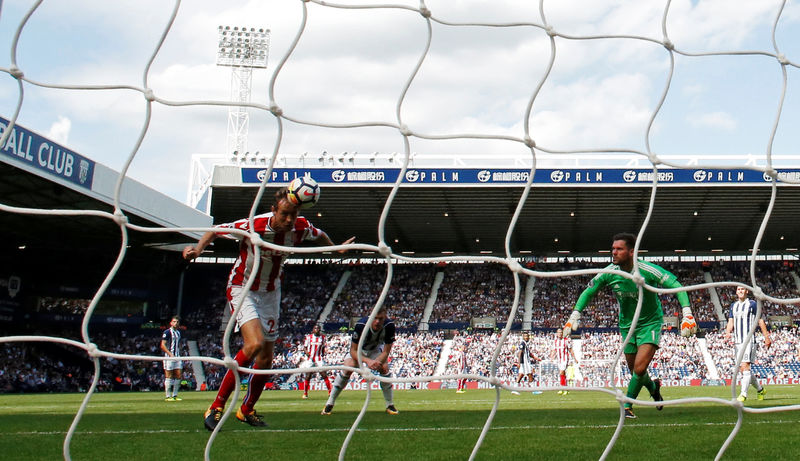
x=242, y=49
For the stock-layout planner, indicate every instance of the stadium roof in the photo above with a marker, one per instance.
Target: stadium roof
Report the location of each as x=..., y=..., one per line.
x=425, y=219
x=38, y=174
x=564, y=220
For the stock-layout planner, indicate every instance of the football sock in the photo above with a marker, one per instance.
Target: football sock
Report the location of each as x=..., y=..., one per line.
x=338, y=384
x=648, y=383
x=327, y=382
x=634, y=387
x=176, y=385
x=745, y=382
x=168, y=386
x=226, y=387
x=563, y=380
x=308, y=383
x=388, y=392
x=254, y=390
x=755, y=383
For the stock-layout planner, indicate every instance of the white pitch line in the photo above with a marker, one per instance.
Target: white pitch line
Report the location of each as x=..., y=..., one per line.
x=399, y=429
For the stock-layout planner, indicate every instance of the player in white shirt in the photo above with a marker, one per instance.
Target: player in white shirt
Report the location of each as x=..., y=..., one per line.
x=562, y=351
x=741, y=319
x=314, y=346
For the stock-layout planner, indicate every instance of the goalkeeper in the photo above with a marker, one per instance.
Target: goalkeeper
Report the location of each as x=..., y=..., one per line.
x=642, y=346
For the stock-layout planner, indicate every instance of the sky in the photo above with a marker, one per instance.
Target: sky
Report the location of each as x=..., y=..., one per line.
x=351, y=65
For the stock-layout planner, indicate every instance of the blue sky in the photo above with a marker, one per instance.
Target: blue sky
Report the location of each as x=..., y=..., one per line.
x=351, y=65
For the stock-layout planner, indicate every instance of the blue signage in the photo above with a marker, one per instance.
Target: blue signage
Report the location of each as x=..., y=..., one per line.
x=500, y=176
x=45, y=155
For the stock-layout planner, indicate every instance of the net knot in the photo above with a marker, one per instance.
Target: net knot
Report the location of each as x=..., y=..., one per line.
x=668, y=44
x=367, y=374
x=758, y=293
x=529, y=141
x=120, y=218
x=93, y=350
x=772, y=172
x=275, y=109
x=638, y=279
x=384, y=249
x=425, y=12
x=782, y=59
x=16, y=72
x=231, y=363
x=550, y=31
x=149, y=95
x=255, y=238
x=404, y=130
x=514, y=266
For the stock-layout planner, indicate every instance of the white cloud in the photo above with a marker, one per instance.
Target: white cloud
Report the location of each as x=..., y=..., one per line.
x=718, y=120
x=351, y=65
x=59, y=131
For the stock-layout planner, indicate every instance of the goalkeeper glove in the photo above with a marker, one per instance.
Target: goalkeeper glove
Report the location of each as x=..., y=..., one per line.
x=571, y=325
x=688, y=324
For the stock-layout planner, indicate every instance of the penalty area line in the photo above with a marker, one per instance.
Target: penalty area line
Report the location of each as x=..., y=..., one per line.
x=399, y=429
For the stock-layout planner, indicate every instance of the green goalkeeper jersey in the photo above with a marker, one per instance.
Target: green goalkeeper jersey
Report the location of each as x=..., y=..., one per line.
x=627, y=293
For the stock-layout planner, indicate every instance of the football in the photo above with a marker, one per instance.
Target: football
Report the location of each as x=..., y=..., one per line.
x=304, y=191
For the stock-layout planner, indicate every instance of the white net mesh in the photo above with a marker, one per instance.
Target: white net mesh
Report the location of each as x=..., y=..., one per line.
x=405, y=126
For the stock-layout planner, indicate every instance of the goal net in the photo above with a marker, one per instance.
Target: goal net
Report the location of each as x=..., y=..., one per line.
x=587, y=80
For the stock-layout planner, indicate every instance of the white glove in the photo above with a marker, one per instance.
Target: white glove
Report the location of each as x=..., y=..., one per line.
x=571, y=325
x=688, y=324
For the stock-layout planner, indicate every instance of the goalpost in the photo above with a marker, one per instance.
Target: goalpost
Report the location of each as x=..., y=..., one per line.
x=409, y=131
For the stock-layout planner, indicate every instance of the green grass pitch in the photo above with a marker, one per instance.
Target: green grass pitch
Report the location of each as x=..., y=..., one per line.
x=432, y=425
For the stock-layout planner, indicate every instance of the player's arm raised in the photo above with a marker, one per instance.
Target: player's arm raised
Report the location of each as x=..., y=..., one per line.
x=587, y=295
x=688, y=323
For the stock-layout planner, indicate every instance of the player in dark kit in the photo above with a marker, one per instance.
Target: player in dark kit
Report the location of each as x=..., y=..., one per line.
x=376, y=350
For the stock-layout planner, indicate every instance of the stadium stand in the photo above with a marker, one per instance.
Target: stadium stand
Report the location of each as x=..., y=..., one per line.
x=467, y=290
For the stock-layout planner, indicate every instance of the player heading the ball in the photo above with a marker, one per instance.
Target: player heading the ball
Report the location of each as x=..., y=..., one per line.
x=258, y=317
x=641, y=348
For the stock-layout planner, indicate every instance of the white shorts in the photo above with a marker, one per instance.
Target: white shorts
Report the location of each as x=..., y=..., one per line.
x=749, y=352
x=262, y=305
x=562, y=365
x=373, y=354
x=525, y=368
x=173, y=364
x=312, y=363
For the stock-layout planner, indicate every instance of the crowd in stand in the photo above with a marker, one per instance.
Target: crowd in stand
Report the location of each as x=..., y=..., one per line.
x=407, y=296
x=467, y=290
x=23, y=368
x=474, y=290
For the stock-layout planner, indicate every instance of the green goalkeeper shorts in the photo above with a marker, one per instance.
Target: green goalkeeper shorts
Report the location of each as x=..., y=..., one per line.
x=644, y=334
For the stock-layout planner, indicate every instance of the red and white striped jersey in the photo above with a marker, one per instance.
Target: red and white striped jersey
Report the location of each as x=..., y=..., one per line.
x=460, y=360
x=271, y=268
x=563, y=349
x=315, y=347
